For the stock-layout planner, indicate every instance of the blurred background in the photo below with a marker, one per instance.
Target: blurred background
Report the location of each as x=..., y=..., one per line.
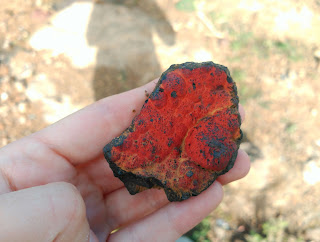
x=57, y=56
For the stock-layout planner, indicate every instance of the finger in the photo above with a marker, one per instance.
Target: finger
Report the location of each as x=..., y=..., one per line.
x=239, y=170
x=173, y=220
x=150, y=200
x=81, y=136
x=123, y=208
x=35, y=164
x=53, y=212
x=99, y=171
x=29, y=163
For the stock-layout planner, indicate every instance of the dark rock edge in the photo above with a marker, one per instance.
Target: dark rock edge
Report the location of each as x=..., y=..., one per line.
x=132, y=181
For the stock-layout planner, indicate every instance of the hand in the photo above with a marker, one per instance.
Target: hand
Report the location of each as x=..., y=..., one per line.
x=55, y=185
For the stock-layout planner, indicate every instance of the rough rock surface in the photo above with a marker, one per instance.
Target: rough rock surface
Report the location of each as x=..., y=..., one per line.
x=186, y=135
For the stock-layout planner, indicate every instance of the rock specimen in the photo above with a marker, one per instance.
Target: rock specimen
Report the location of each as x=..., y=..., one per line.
x=186, y=135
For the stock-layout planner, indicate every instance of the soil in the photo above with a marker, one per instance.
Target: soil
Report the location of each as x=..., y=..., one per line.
x=59, y=56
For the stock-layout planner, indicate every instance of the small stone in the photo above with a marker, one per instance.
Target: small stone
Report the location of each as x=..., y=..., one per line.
x=223, y=224
x=316, y=54
x=26, y=73
x=4, y=96
x=6, y=44
x=19, y=86
x=314, y=112
x=22, y=107
x=311, y=173
x=39, y=3
x=22, y=120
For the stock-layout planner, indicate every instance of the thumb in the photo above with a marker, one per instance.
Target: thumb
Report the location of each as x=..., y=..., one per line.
x=53, y=212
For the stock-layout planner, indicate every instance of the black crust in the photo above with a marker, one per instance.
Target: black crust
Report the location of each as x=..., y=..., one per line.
x=130, y=180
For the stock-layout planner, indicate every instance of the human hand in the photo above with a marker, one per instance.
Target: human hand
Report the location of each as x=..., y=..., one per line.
x=55, y=185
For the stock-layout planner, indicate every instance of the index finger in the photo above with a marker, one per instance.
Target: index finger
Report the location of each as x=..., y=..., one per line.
x=81, y=136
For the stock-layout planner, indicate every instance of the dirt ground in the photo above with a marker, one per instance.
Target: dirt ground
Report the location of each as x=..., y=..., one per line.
x=59, y=56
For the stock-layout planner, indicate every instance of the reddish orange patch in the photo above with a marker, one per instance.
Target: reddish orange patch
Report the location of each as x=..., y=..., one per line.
x=186, y=135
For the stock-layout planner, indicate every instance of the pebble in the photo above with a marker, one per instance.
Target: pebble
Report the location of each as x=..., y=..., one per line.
x=6, y=44
x=223, y=224
x=26, y=73
x=22, y=107
x=39, y=3
x=4, y=96
x=311, y=173
x=316, y=54
x=22, y=120
x=19, y=86
x=314, y=112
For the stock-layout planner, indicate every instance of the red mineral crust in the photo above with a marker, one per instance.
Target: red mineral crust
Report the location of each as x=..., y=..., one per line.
x=186, y=135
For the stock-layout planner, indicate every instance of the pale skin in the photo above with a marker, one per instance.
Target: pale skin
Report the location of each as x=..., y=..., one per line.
x=55, y=184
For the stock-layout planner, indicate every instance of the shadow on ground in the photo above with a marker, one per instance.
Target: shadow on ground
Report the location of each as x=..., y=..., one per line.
x=123, y=31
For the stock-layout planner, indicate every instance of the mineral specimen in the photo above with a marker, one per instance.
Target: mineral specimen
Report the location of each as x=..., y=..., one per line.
x=186, y=135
